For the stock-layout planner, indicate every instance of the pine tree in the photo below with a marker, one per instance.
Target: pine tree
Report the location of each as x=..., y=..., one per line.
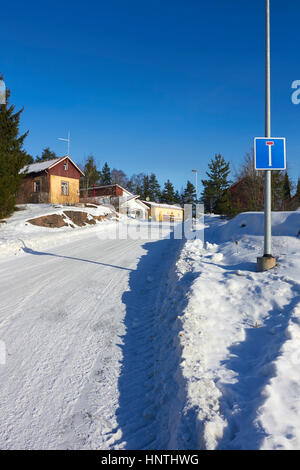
x=145, y=188
x=286, y=191
x=178, y=199
x=223, y=204
x=154, y=188
x=297, y=196
x=216, y=184
x=91, y=173
x=12, y=155
x=189, y=195
x=106, y=175
x=47, y=154
x=168, y=194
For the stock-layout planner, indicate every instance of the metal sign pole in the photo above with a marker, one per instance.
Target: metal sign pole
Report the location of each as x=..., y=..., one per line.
x=268, y=174
x=268, y=261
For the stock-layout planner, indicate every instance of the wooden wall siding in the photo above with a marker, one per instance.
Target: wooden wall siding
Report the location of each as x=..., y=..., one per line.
x=109, y=191
x=119, y=191
x=59, y=170
x=55, y=190
x=26, y=194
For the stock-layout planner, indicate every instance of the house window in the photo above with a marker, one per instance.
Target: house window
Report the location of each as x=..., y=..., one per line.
x=36, y=186
x=65, y=188
x=65, y=166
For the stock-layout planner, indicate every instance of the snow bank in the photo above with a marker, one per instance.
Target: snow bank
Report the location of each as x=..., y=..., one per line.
x=252, y=223
x=17, y=231
x=239, y=376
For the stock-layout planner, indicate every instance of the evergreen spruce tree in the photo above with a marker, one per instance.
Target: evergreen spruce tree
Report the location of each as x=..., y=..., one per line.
x=216, y=184
x=286, y=191
x=297, y=196
x=154, y=188
x=189, y=194
x=106, y=175
x=47, y=154
x=178, y=199
x=12, y=155
x=223, y=205
x=145, y=188
x=91, y=173
x=168, y=194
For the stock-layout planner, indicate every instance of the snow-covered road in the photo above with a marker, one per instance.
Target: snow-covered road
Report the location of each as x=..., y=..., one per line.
x=77, y=324
x=152, y=343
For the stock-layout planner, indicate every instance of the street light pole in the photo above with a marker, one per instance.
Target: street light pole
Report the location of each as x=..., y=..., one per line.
x=267, y=261
x=268, y=174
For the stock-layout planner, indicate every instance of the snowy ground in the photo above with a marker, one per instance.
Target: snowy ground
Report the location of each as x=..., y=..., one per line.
x=119, y=344
x=79, y=324
x=240, y=338
x=16, y=230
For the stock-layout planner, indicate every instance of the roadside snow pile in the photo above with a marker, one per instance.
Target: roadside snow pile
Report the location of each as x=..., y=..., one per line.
x=240, y=339
x=41, y=225
x=252, y=223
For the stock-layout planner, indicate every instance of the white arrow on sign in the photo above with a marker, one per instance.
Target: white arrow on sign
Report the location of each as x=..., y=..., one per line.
x=270, y=144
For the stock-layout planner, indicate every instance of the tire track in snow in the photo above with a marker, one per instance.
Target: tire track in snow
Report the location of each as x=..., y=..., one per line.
x=143, y=412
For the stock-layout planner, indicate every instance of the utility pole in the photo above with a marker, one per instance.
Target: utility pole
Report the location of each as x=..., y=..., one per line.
x=267, y=261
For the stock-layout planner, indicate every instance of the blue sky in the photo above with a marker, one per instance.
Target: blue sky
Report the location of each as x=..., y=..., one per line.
x=151, y=85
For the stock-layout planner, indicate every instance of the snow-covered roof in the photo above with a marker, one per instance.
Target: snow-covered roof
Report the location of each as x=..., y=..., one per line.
x=165, y=206
x=37, y=167
x=42, y=166
x=137, y=200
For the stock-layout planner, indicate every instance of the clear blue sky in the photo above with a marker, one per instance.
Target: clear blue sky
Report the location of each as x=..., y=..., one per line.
x=151, y=85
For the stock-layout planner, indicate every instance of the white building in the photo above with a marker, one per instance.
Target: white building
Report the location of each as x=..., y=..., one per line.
x=117, y=196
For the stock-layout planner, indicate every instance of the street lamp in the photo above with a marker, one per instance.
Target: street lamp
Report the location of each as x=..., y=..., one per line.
x=268, y=261
x=268, y=176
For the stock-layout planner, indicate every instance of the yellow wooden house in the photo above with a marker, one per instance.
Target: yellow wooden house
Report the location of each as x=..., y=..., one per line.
x=164, y=212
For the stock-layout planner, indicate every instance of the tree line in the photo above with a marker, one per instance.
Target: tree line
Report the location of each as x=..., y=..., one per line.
x=220, y=195
x=144, y=185
x=245, y=192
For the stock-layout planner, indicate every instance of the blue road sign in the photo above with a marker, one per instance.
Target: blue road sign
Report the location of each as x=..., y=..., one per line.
x=270, y=153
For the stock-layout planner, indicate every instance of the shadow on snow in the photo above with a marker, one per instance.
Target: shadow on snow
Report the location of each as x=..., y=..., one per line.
x=55, y=255
x=147, y=385
x=253, y=362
